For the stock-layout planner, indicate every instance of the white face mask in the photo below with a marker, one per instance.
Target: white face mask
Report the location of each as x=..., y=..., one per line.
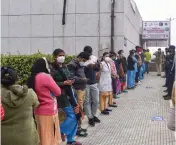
x=140, y=52
x=82, y=63
x=61, y=59
x=107, y=59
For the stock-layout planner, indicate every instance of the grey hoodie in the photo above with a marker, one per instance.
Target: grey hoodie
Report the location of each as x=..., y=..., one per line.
x=77, y=72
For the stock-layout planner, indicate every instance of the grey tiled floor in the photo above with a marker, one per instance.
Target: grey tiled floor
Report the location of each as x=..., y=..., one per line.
x=130, y=123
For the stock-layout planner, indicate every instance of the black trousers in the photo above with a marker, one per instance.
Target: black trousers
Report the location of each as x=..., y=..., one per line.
x=114, y=85
x=171, y=79
x=167, y=77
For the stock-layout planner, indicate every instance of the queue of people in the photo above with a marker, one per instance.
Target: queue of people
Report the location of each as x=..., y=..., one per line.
x=51, y=107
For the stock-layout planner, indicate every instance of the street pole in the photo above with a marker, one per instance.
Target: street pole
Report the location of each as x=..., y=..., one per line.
x=112, y=24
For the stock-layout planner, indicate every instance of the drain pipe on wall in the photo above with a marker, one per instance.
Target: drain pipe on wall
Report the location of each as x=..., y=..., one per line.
x=112, y=24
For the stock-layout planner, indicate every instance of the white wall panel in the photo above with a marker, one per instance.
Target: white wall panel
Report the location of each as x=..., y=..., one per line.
x=58, y=6
x=86, y=25
x=86, y=6
x=19, y=7
x=44, y=45
x=105, y=25
x=4, y=45
x=19, y=26
x=21, y=45
x=64, y=30
x=5, y=7
x=42, y=6
x=4, y=26
x=42, y=26
x=119, y=24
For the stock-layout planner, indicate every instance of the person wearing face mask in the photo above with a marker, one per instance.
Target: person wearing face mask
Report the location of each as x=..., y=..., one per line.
x=105, y=84
x=130, y=73
x=159, y=61
x=123, y=70
x=115, y=77
x=61, y=75
x=166, y=66
x=91, y=102
x=171, y=71
x=139, y=64
x=76, y=68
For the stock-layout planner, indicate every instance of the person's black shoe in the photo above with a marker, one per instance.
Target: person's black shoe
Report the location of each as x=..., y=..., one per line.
x=167, y=98
x=115, y=106
x=82, y=129
x=164, y=86
x=92, y=122
x=104, y=112
x=109, y=110
x=165, y=91
x=158, y=74
x=96, y=119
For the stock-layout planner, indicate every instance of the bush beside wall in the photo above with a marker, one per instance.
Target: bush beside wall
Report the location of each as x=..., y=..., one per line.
x=23, y=63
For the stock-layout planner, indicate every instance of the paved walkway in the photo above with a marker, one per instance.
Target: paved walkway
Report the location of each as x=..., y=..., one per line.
x=131, y=123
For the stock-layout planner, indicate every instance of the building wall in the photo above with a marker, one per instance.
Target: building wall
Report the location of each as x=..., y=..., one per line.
x=29, y=26
x=133, y=26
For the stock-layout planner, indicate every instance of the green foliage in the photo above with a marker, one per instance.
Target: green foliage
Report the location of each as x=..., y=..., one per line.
x=23, y=63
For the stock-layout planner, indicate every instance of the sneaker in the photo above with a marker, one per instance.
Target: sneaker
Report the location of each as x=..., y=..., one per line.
x=104, y=112
x=74, y=143
x=92, y=122
x=109, y=110
x=113, y=106
x=81, y=133
x=139, y=83
x=96, y=119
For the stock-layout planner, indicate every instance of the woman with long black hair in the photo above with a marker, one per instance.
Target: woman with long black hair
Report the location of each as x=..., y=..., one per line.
x=47, y=113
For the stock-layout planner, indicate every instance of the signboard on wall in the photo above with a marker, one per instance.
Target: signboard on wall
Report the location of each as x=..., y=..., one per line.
x=156, y=43
x=156, y=30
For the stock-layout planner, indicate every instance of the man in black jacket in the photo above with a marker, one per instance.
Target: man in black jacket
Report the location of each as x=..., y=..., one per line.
x=171, y=76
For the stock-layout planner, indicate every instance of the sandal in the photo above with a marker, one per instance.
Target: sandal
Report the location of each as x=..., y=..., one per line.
x=81, y=133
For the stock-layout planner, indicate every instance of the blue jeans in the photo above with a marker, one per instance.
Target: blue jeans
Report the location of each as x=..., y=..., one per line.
x=147, y=65
x=70, y=126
